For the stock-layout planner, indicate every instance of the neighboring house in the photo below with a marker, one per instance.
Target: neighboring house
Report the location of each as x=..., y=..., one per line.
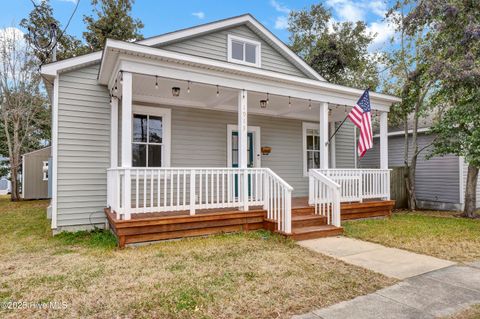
x=222, y=115
x=5, y=186
x=5, y=183
x=440, y=181
x=35, y=174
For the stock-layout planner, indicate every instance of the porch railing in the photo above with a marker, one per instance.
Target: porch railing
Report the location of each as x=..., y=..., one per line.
x=148, y=190
x=360, y=184
x=325, y=197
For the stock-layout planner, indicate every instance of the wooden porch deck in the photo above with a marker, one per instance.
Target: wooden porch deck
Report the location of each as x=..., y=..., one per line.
x=149, y=227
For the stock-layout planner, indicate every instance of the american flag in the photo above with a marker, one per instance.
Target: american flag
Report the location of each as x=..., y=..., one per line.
x=360, y=115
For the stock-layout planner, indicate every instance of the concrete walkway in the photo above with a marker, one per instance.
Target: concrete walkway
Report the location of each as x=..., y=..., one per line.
x=431, y=287
x=435, y=294
x=392, y=262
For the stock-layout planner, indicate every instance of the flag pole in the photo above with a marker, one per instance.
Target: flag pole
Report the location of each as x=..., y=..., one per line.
x=336, y=131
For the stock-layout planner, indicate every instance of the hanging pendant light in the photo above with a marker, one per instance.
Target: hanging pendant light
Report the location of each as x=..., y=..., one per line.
x=156, y=82
x=218, y=91
x=268, y=98
x=289, y=102
x=263, y=104
x=175, y=91
x=188, y=88
x=309, y=104
x=121, y=77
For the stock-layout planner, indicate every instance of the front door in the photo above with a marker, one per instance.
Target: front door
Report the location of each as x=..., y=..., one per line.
x=250, y=157
x=250, y=149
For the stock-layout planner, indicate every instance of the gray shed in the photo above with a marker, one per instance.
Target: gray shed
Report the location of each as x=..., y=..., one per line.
x=35, y=174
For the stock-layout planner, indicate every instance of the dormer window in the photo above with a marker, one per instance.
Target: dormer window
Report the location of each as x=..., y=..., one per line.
x=243, y=51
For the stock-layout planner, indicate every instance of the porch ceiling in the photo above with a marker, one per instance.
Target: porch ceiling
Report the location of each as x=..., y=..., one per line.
x=205, y=97
x=137, y=59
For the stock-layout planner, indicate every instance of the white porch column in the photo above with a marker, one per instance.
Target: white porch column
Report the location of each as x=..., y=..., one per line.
x=114, y=132
x=242, y=147
x=323, y=132
x=384, y=140
x=127, y=140
x=333, y=158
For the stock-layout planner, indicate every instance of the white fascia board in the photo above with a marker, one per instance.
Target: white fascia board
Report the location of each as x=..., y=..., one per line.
x=54, y=68
x=228, y=23
x=193, y=31
x=115, y=47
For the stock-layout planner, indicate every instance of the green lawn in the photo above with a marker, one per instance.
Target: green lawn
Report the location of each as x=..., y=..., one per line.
x=440, y=234
x=252, y=275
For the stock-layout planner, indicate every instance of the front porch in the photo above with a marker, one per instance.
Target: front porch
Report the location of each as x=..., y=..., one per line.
x=146, y=227
x=224, y=150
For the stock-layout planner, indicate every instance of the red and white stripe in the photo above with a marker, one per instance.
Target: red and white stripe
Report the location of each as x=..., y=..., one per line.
x=363, y=121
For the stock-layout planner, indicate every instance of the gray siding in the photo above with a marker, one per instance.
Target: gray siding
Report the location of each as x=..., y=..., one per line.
x=345, y=146
x=83, y=148
x=437, y=179
x=34, y=186
x=199, y=138
x=214, y=46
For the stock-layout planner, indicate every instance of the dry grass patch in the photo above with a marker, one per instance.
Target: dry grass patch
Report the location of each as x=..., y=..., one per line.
x=438, y=234
x=470, y=313
x=253, y=275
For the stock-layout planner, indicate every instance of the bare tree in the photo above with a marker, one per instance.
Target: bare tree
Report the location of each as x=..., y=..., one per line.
x=23, y=107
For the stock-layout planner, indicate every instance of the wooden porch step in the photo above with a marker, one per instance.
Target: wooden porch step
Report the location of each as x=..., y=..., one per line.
x=308, y=220
x=311, y=232
x=302, y=211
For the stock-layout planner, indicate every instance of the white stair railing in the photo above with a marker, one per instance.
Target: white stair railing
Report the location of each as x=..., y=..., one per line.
x=360, y=184
x=278, y=201
x=189, y=189
x=325, y=196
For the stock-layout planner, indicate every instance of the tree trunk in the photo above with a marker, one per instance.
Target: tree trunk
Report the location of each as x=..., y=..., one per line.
x=14, y=174
x=471, y=192
x=411, y=171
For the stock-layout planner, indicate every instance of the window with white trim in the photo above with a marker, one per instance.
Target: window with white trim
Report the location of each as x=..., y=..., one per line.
x=45, y=170
x=311, y=147
x=151, y=138
x=243, y=51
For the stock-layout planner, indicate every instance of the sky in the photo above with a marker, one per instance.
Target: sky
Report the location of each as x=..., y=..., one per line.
x=165, y=15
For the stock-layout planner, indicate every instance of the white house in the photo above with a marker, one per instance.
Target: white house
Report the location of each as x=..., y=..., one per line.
x=204, y=126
